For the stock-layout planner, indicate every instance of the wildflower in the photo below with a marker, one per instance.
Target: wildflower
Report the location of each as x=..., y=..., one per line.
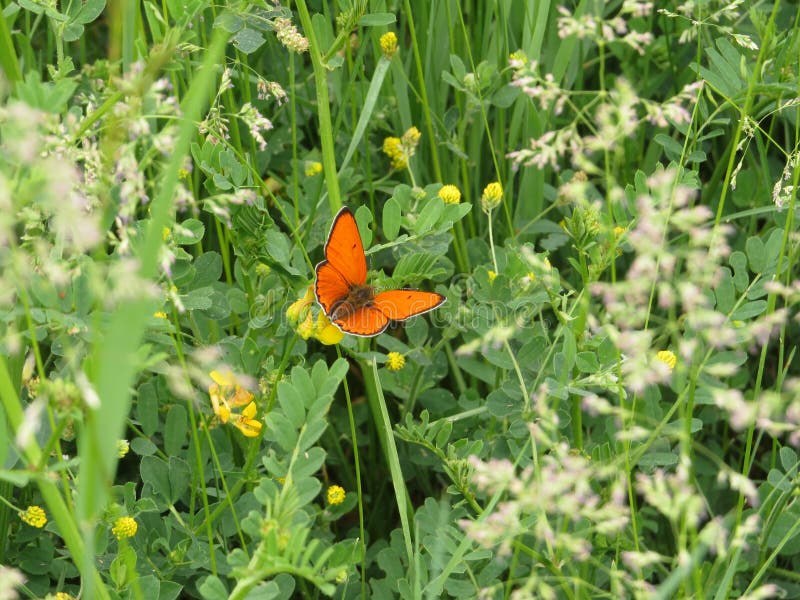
x=289, y=36
x=64, y=596
x=492, y=276
x=392, y=149
x=34, y=516
x=618, y=231
x=395, y=361
x=326, y=332
x=256, y=123
x=668, y=358
x=123, y=446
x=296, y=310
x=400, y=150
x=226, y=393
x=313, y=167
x=182, y=174
x=124, y=527
x=450, y=194
x=160, y=314
x=265, y=89
x=492, y=196
x=165, y=233
x=389, y=44
x=263, y=269
x=336, y=495
x=306, y=329
x=247, y=423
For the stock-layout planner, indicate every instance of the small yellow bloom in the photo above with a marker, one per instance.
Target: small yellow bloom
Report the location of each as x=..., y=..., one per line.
x=492, y=276
x=63, y=596
x=668, y=358
x=411, y=137
x=296, y=310
x=124, y=527
x=393, y=149
x=450, y=194
x=247, y=423
x=326, y=332
x=389, y=44
x=336, y=495
x=160, y=314
x=313, y=167
x=123, y=446
x=34, y=516
x=306, y=329
x=395, y=361
x=618, y=231
x=226, y=393
x=263, y=269
x=165, y=233
x=492, y=196
x=183, y=173
x=547, y=263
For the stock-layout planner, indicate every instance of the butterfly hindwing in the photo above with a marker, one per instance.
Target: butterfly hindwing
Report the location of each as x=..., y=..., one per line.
x=399, y=305
x=330, y=286
x=365, y=321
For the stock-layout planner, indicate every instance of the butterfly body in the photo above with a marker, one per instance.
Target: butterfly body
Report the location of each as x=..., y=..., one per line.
x=341, y=287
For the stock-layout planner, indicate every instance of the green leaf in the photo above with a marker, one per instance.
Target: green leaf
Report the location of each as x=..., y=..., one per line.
x=391, y=219
x=748, y=310
x=212, y=588
x=190, y=231
x=175, y=429
x=147, y=408
x=741, y=278
x=429, y=215
x=725, y=292
x=756, y=254
x=291, y=403
x=377, y=19
x=179, y=477
x=85, y=11
x=788, y=460
x=248, y=41
x=672, y=148
x=155, y=473
x=587, y=362
x=279, y=429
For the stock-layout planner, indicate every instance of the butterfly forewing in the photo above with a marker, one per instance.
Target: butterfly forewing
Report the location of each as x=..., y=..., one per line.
x=344, y=249
x=399, y=305
x=330, y=286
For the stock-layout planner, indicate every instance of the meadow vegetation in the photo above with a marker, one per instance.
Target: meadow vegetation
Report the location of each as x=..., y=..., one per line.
x=606, y=406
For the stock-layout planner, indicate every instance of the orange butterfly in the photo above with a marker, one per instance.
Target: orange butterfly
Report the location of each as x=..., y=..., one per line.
x=342, y=289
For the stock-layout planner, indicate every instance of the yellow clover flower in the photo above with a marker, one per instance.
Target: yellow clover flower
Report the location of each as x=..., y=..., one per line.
x=124, y=527
x=450, y=194
x=226, y=393
x=336, y=495
x=34, y=516
x=389, y=44
x=492, y=276
x=296, y=310
x=395, y=361
x=123, y=446
x=392, y=148
x=668, y=358
x=492, y=196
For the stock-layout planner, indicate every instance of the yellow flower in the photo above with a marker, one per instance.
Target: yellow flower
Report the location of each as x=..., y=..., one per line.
x=492, y=276
x=618, y=231
x=326, y=332
x=165, y=233
x=122, y=448
x=34, y=516
x=263, y=269
x=183, y=173
x=63, y=596
x=226, y=393
x=395, y=361
x=492, y=196
x=247, y=423
x=389, y=44
x=160, y=314
x=547, y=263
x=450, y=194
x=336, y=495
x=295, y=312
x=392, y=148
x=411, y=137
x=668, y=358
x=313, y=167
x=306, y=329
x=124, y=527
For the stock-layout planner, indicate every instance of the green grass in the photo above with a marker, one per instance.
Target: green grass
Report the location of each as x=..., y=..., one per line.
x=607, y=405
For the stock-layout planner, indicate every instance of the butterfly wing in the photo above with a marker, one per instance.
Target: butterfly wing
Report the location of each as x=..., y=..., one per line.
x=365, y=321
x=345, y=264
x=399, y=305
